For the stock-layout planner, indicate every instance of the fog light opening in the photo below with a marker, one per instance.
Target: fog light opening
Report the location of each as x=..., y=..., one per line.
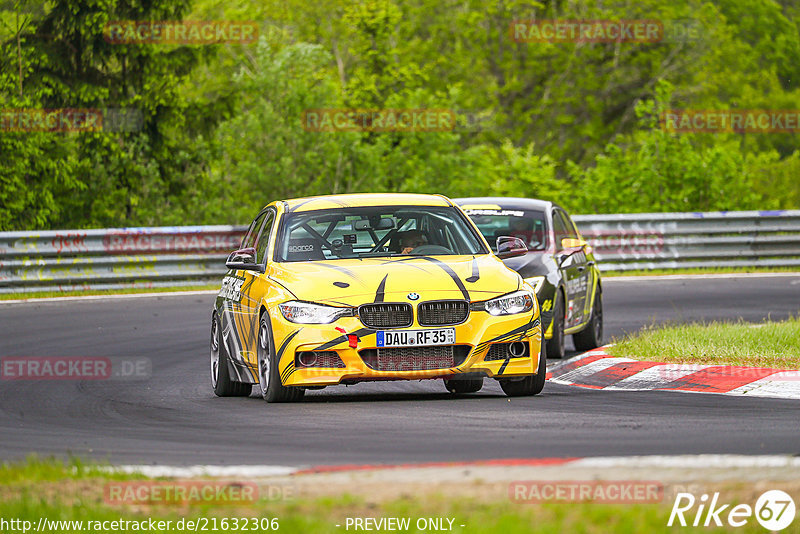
x=517, y=349
x=307, y=359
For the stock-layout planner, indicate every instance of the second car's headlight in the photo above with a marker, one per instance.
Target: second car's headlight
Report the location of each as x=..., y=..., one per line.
x=536, y=282
x=308, y=313
x=516, y=302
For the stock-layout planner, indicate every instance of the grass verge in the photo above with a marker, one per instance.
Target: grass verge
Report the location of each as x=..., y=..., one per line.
x=769, y=344
x=125, y=291
x=74, y=492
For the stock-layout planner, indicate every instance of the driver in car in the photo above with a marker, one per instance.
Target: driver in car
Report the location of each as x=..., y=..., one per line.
x=411, y=240
x=521, y=228
x=518, y=227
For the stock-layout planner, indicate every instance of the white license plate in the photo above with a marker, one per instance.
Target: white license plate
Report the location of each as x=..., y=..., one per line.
x=416, y=338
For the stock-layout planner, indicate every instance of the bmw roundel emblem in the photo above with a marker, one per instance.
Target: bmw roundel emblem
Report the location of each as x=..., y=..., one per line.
x=413, y=296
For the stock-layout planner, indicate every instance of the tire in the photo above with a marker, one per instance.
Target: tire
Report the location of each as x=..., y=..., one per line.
x=221, y=380
x=531, y=384
x=555, y=345
x=269, y=378
x=591, y=337
x=469, y=385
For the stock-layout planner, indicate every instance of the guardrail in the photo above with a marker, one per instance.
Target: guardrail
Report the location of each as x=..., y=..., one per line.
x=63, y=260
x=646, y=241
x=116, y=258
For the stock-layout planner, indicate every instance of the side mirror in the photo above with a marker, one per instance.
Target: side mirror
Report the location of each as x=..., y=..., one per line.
x=243, y=259
x=508, y=247
x=571, y=246
x=571, y=242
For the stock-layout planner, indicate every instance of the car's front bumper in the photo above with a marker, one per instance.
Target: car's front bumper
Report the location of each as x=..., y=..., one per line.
x=476, y=335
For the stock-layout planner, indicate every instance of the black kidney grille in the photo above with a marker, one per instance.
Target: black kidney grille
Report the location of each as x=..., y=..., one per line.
x=386, y=315
x=442, y=312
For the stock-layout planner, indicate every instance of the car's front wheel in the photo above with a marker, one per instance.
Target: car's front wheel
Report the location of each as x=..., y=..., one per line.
x=555, y=345
x=269, y=378
x=591, y=337
x=530, y=385
x=220, y=374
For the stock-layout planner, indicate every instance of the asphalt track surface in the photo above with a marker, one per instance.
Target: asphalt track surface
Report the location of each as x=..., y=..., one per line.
x=174, y=418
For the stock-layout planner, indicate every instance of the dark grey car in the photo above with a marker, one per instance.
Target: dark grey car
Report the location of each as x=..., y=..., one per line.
x=559, y=265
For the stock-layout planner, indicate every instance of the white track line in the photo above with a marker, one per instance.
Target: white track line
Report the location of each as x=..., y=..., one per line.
x=785, y=385
x=684, y=461
x=699, y=461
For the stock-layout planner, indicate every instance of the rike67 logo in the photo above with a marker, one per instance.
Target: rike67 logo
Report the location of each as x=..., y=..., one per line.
x=774, y=510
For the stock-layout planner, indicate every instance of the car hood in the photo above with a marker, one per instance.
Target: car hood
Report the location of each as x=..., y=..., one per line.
x=353, y=282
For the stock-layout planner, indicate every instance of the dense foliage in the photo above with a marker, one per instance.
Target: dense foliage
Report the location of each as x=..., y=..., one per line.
x=218, y=129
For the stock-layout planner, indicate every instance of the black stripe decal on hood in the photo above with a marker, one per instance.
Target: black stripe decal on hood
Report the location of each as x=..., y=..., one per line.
x=412, y=258
x=446, y=268
x=342, y=270
x=381, y=292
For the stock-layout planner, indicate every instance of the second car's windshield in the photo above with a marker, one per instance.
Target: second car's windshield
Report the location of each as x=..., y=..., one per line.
x=376, y=232
x=529, y=226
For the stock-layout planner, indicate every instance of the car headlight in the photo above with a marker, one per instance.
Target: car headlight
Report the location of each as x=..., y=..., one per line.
x=516, y=302
x=308, y=313
x=536, y=283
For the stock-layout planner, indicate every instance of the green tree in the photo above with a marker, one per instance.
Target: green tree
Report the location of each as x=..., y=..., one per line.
x=654, y=170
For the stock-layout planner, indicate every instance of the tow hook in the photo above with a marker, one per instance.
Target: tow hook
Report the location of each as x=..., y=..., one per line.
x=352, y=339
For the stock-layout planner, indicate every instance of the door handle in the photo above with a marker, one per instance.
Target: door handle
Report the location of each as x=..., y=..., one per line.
x=581, y=268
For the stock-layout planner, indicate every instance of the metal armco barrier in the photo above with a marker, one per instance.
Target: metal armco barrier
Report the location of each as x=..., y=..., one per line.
x=65, y=260
x=644, y=241
x=62, y=260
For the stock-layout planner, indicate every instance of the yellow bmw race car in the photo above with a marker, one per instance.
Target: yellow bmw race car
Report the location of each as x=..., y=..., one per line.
x=351, y=288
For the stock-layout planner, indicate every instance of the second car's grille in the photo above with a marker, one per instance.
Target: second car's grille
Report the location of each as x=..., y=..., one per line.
x=442, y=312
x=385, y=315
x=415, y=358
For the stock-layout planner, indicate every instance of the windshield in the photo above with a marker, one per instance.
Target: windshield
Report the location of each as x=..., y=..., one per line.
x=529, y=226
x=380, y=231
